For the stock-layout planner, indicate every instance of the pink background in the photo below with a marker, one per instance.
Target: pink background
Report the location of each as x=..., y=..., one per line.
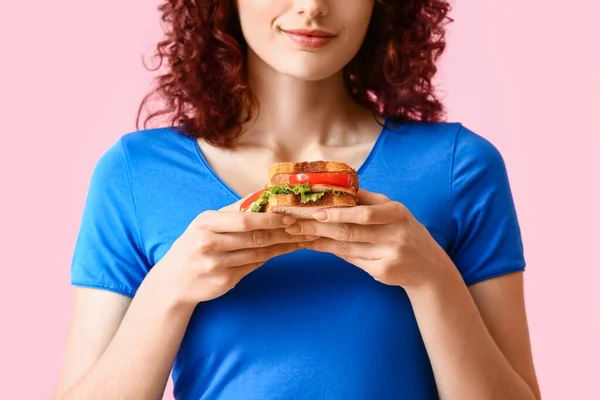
x=521, y=73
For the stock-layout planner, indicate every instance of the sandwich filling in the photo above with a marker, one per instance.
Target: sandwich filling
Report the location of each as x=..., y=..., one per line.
x=304, y=190
x=308, y=186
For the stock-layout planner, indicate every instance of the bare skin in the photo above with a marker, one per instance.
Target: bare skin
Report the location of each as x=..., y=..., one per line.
x=245, y=169
x=315, y=121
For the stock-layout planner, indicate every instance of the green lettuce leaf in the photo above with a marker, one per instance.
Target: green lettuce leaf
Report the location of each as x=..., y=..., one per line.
x=279, y=189
x=306, y=197
x=306, y=194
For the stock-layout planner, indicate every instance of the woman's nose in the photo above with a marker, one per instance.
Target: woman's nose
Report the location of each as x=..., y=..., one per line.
x=311, y=8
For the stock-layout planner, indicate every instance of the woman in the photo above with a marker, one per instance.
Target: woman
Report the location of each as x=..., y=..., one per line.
x=417, y=293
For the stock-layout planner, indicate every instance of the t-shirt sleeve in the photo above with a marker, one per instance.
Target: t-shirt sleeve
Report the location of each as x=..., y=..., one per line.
x=107, y=251
x=487, y=238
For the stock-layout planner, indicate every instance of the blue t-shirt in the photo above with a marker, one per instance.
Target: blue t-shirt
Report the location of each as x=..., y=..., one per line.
x=306, y=325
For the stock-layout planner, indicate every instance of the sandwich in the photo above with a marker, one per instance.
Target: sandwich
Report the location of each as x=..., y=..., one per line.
x=303, y=188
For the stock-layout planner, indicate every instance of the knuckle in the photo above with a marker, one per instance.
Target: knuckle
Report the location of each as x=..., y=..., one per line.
x=384, y=273
x=208, y=214
x=245, y=222
x=398, y=242
x=366, y=215
x=343, y=248
x=225, y=280
x=205, y=246
x=398, y=252
x=274, y=220
x=260, y=237
x=211, y=265
x=343, y=233
x=401, y=213
x=200, y=224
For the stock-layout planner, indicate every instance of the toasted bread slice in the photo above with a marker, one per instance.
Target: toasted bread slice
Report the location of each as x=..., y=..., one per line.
x=310, y=166
x=279, y=173
x=290, y=204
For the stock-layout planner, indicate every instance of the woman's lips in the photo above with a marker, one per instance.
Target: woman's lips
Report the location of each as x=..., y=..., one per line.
x=311, y=39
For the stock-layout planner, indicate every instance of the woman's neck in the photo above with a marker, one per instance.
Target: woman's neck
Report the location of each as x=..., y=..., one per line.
x=296, y=113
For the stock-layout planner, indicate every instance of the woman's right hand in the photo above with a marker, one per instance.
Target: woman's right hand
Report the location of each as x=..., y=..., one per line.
x=218, y=249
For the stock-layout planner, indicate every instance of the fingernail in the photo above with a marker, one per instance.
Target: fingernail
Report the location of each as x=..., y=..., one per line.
x=288, y=220
x=320, y=215
x=294, y=229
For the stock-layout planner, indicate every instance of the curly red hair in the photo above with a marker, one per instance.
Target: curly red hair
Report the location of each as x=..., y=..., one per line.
x=205, y=91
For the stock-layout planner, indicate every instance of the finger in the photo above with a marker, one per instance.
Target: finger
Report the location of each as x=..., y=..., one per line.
x=258, y=255
x=369, y=198
x=240, y=272
x=257, y=238
x=222, y=222
x=365, y=251
x=371, y=267
x=342, y=232
x=377, y=214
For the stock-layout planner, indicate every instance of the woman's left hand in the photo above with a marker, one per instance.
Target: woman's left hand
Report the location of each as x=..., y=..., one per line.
x=380, y=236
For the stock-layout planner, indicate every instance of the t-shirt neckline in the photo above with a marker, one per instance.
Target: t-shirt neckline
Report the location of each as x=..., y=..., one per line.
x=360, y=171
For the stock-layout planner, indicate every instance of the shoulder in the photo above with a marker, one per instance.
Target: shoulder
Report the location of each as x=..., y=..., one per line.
x=150, y=150
x=154, y=142
x=424, y=130
x=422, y=139
x=452, y=139
x=478, y=169
x=137, y=153
x=474, y=153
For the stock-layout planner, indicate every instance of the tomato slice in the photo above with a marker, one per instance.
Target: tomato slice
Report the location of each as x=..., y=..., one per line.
x=322, y=178
x=248, y=202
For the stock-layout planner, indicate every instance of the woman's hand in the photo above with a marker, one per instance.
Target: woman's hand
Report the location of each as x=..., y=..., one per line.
x=218, y=249
x=380, y=236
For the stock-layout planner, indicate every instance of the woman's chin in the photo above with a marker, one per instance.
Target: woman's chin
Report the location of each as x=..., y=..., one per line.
x=303, y=65
x=307, y=71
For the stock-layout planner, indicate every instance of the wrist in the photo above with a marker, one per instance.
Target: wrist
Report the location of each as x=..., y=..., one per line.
x=444, y=275
x=156, y=286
